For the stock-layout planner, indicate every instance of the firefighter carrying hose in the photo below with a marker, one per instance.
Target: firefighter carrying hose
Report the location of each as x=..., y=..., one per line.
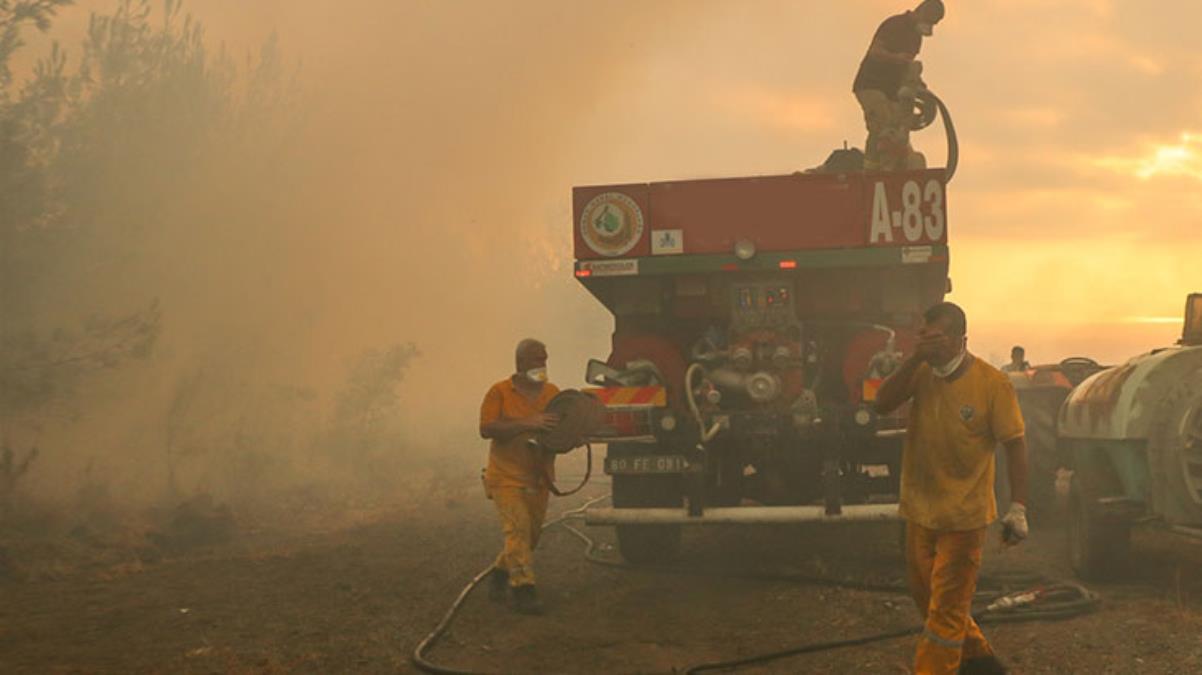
x=962, y=409
x=518, y=476
x=886, y=84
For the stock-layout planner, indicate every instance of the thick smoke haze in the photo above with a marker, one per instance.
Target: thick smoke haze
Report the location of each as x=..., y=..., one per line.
x=420, y=193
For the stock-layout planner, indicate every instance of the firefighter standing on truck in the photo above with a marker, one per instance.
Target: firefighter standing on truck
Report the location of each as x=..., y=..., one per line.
x=518, y=476
x=962, y=409
x=886, y=84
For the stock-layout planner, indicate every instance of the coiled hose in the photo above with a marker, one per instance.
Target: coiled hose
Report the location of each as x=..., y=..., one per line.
x=1058, y=600
x=953, y=143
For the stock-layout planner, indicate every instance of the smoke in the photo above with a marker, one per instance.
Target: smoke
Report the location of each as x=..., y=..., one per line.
x=414, y=188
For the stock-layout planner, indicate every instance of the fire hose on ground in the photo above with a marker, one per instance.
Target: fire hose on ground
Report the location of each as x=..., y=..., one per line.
x=1037, y=600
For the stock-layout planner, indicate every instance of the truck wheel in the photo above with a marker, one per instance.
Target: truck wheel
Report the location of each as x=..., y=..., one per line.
x=1041, y=488
x=1099, y=547
x=647, y=544
x=1040, y=408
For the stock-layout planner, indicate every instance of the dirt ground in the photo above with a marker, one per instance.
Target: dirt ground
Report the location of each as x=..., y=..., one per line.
x=358, y=599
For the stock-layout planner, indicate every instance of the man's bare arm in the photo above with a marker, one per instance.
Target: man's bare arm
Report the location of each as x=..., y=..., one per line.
x=894, y=390
x=1016, y=464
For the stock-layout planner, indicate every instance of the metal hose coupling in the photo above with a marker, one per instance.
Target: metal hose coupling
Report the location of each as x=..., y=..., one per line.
x=1015, y=600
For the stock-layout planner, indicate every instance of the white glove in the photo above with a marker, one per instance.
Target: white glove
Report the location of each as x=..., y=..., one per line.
x=1014, y=524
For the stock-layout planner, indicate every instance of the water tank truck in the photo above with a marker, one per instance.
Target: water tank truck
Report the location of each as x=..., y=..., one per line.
x=1133, y=437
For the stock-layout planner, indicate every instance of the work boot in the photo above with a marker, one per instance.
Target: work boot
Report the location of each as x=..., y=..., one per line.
x=525, y=600
x=982, y=665
x=498, y=584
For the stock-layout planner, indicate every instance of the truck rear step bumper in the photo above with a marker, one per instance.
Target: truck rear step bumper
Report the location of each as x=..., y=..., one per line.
x=742, y=515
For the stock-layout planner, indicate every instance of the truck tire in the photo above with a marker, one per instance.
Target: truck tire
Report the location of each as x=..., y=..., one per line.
x=1041, y=486
x=647, y=544
x=1040, y=408
x=1041, y=489
x=1099, y=547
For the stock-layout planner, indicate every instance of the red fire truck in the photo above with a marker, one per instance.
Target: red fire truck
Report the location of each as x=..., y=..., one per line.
x=754, y=319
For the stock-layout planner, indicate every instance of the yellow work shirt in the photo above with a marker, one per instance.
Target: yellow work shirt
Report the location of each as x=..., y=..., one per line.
x=511, y=463
x=948, y=461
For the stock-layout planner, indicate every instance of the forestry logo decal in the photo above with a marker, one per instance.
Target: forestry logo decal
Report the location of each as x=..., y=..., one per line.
x=611, y=224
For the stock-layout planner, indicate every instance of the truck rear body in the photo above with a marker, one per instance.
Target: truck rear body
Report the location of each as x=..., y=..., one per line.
x=766, y=311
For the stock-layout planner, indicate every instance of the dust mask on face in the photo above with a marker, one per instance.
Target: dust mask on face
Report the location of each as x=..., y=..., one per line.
x=950, y=367
x=536, y=374
x=926, y=29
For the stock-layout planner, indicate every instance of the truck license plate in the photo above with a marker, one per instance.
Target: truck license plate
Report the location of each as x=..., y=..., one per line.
x=649, y=464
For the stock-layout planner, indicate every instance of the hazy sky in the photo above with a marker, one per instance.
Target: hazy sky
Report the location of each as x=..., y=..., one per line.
x=447, y=137
x=1076, y=211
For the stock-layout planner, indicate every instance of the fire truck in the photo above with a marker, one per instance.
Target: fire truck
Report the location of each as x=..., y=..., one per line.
x=754, y=320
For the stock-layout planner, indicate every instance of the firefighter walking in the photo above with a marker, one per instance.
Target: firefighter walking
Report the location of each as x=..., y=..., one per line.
x=962, y=408
x=518, y=476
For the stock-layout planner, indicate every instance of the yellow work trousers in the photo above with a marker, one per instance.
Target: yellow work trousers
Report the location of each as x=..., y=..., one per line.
x=888, y=122
x=522, y=513
x=942, y=568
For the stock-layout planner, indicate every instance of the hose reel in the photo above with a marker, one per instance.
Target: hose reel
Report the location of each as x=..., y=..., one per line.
x=580, y=415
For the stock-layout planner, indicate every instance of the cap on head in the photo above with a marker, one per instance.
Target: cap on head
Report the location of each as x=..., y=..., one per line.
x=528, y=350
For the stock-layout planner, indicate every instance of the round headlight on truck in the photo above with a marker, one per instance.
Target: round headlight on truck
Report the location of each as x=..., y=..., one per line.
x=863, y=417
x=763, y=387
x=667, y=422
x=744, y=249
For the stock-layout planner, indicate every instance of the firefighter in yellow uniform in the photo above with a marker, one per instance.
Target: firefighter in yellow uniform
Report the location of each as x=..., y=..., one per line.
x=962, y=408
x=518, y=477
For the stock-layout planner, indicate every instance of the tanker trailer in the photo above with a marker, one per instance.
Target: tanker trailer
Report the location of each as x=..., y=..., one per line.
x=1133, y=436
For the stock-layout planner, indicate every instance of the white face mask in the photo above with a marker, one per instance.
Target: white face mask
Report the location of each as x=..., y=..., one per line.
x=536, y=374
x=950, y=367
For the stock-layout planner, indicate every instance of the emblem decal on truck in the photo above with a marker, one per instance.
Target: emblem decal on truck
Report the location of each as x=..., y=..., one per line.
x=611, y=224
x=667, y=242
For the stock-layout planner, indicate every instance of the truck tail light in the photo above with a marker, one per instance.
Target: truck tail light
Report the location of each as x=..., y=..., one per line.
x=870, y=387
x=788, y=264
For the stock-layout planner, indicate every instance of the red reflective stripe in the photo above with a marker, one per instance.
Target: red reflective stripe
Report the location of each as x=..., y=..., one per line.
x=645, y=395
x=630, y=395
